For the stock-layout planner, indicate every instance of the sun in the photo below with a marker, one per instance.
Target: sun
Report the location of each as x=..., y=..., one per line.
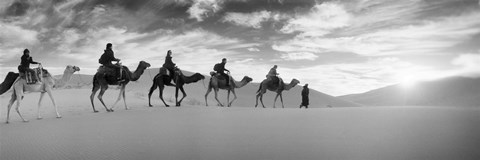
x=408, y=82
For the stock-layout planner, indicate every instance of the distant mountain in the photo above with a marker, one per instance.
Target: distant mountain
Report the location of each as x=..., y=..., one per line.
x=196, y=92
x=453, y=91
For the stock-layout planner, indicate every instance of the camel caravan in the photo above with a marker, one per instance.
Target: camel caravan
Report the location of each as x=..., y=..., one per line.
x=40, y=80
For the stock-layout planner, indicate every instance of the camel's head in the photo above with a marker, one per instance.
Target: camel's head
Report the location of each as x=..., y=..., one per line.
x=247, y=79
x=295, y=81
x=144, y=64
x=72, y=69
x=199, y=75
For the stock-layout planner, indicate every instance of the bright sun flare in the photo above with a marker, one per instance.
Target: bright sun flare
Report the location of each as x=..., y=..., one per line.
x=408, y=82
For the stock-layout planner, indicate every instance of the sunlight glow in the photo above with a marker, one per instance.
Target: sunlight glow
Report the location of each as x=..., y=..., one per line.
x=408, y=82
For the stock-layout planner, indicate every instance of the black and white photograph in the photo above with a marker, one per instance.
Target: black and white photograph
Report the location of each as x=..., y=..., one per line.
x=240, y=79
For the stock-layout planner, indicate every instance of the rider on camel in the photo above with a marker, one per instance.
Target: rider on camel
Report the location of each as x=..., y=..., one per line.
x=107, y=58
x=169, y=65
x=220, y=69
x=272, y=74
x=24, y=66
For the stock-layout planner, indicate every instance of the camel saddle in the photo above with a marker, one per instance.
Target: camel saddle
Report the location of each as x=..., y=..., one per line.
x=34, y=78
x=109, y=71
x=218, y=76
x=275, y=81
x=165, y=71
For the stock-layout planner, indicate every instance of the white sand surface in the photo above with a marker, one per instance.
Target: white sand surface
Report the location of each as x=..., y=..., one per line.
x=210, y=133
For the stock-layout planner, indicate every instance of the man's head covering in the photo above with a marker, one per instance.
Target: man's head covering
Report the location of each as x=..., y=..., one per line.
x=109, y=45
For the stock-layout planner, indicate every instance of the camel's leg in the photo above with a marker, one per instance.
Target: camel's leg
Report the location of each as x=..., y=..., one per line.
x=40, y=105
x=281, y=99
x=120, y=95
x=206, y=94
x=228, y=98
x=118, y=99
x=154, y=86
x=49, y=92
x=275, y=101
x=94, y=91
x=100, y=95
x=256, y=100
x=176, y=94
x=261, y=99
x=184, y=95
x=124, y=100
x=10, y=103
x=18, y=106
x=234, y=98
x=216, y=97
x=160, y=94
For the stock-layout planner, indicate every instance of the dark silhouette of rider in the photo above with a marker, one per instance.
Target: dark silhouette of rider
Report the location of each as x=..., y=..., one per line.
x=107, y=58
x=24, y=66
x=169, y=65
x=272, y=74
x=220, y=69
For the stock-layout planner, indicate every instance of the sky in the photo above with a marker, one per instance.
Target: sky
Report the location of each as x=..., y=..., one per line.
x=338, y=47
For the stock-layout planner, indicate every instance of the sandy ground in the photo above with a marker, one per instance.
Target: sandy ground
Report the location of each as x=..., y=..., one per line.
x=197, y=132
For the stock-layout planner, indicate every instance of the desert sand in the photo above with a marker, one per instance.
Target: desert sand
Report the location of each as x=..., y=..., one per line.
x=194, y=131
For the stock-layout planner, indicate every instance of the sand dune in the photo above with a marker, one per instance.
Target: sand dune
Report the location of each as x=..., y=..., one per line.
x=453, y=91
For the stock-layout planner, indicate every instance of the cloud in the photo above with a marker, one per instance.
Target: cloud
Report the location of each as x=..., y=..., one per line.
x=321, y=20
x=202, y=8
x=13, y=35
x=253, y=49
x=18, y=8
x=469, y=63
x=293, y=56
x=424, y=38
x=370, y=14
x=13, y=39
x=253, y=20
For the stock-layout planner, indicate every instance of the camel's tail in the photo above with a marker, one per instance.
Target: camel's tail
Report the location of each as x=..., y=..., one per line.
x=8, y=82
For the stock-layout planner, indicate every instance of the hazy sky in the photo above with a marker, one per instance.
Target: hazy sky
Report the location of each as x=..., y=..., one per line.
x=338, y=47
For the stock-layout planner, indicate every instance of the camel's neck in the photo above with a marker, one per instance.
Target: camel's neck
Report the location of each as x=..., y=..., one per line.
x=62, y=81
x=289, y=86
x=241, y=83
x=136, y=74
x=191, y=79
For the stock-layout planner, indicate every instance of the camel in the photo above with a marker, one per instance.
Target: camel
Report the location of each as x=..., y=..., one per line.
x=20, y=87
x=217, y=84
x=162, y=80
x=102, y=80
x=274, y=88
